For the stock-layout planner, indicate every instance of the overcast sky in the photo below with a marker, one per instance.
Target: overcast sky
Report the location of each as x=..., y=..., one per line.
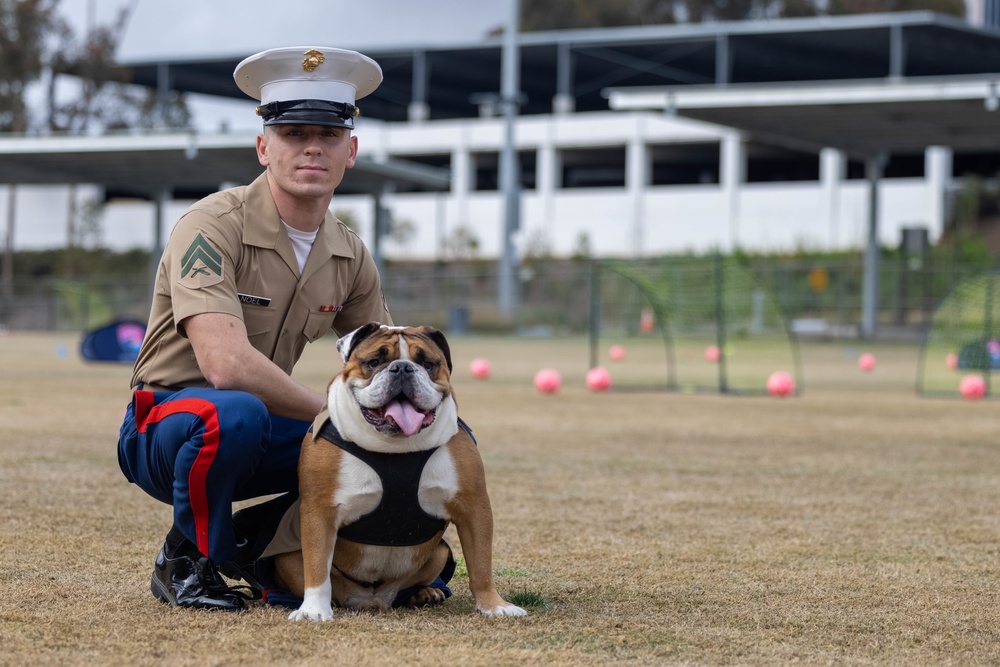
x=206, y=28
x=196, y=28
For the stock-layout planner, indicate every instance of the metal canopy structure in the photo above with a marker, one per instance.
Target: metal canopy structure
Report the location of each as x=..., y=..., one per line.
x=868, y=120
x=141, y=165
x=577, y=66
x=862, y=118
x=160, y=167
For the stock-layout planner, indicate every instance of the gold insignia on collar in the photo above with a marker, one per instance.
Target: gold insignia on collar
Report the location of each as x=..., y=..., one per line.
x=312, y=60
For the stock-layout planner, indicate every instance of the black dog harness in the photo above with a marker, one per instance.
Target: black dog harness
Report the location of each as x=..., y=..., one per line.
x=399, y=520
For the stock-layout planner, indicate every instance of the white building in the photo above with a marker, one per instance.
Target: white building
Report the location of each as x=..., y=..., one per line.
x=642, y=184
x=621, y=183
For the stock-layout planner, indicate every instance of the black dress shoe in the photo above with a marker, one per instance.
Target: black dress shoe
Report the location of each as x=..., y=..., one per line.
x=195, y=583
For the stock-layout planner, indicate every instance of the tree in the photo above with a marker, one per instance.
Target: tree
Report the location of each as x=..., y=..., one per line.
x=402, y=231
x=102, y=102
x=582, y=249
x=462, y=244
x=955, y=7
x=25, y=26
x=36, y=45
x=28, y=28
x=570, y=14
x=537, y=246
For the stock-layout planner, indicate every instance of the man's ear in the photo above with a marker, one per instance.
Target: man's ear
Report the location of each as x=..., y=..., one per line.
x=352, y=158
x=262, y=150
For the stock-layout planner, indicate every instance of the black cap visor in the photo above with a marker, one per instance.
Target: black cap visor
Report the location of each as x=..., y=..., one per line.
x=309, y=112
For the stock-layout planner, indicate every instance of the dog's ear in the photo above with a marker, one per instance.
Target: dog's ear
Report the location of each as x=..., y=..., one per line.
x=438, y=339
x=347, y=343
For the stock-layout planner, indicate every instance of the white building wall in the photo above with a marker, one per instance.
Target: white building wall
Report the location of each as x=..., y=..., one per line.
x=640, y=220
x=629, y=221
x=683, y=218
x=40, y=216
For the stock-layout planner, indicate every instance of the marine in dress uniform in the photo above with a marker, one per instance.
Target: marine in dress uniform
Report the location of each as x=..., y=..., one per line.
x=198, y=447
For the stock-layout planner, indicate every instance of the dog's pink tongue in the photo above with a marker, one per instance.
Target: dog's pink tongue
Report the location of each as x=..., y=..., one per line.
x=405, y=415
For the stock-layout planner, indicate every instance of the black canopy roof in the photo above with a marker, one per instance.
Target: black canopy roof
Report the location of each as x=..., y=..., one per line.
x=452, y=78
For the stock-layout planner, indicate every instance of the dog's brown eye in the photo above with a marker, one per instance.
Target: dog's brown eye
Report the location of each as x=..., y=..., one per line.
x=371, y=364
x=429, y=366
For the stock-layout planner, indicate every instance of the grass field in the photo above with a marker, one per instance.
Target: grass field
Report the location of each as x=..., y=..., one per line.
x=856, y=524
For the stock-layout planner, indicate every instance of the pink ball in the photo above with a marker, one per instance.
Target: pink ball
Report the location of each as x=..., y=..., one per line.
x=712, y=353
x=598, y=379
x=616, y=352
x=951, y=360
x=647, y=321
x=972, y=387
x=548, y=381
x=780, y=383
x=480, y=368
x=866, y=362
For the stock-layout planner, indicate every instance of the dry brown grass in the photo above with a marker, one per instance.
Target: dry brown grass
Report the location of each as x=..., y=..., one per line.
x=857, y=524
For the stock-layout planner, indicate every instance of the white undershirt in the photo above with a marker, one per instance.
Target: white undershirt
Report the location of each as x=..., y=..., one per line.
x=302, y=242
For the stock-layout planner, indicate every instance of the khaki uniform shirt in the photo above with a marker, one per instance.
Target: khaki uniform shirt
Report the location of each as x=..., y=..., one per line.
x=229, y=253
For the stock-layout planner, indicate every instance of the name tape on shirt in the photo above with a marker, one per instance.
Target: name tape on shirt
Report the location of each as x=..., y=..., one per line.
x=251, y=300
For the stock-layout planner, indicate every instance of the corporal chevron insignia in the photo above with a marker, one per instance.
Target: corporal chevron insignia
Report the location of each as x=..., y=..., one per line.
x=201, y=264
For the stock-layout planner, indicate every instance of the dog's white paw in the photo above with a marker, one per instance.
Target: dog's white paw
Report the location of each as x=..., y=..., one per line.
x=503, y=610
x=309, y=613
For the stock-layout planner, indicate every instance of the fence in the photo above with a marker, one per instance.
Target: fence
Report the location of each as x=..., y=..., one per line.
x=695, y=309
x=817, y=296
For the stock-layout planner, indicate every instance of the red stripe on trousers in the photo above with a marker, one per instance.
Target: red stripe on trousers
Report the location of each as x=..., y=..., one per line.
x=197, y=493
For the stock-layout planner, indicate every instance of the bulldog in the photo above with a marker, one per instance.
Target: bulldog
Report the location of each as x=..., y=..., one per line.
x=382, y=473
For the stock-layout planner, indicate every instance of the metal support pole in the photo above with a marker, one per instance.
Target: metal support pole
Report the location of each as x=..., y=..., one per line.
x=723, y=63
x=897, y=52
x=595, y=311
x=418, y=109
x=8, y=256
x=377, y=232
x=383, y=223
x=869, y=297
x=720, y=320
x=162, y=93
x=564, y=102
x=509, y=180
x=162, y=199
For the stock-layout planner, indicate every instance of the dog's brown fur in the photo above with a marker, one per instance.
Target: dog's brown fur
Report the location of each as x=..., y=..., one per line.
x=468, y=508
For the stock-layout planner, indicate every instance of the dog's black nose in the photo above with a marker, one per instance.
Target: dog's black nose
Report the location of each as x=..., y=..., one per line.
x=400, y=365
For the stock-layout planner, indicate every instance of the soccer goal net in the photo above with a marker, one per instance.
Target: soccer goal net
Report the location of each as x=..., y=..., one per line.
x=692, y=324
x=964, y=338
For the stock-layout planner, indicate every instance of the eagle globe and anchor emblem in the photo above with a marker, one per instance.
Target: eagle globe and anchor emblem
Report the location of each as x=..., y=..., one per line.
x=312, y=60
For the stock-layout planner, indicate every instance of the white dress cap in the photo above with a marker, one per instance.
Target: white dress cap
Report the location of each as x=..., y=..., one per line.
x=308, y=73
x=305, y=85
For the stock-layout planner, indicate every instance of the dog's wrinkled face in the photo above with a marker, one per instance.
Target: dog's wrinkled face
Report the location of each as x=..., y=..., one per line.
x=398, y=378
